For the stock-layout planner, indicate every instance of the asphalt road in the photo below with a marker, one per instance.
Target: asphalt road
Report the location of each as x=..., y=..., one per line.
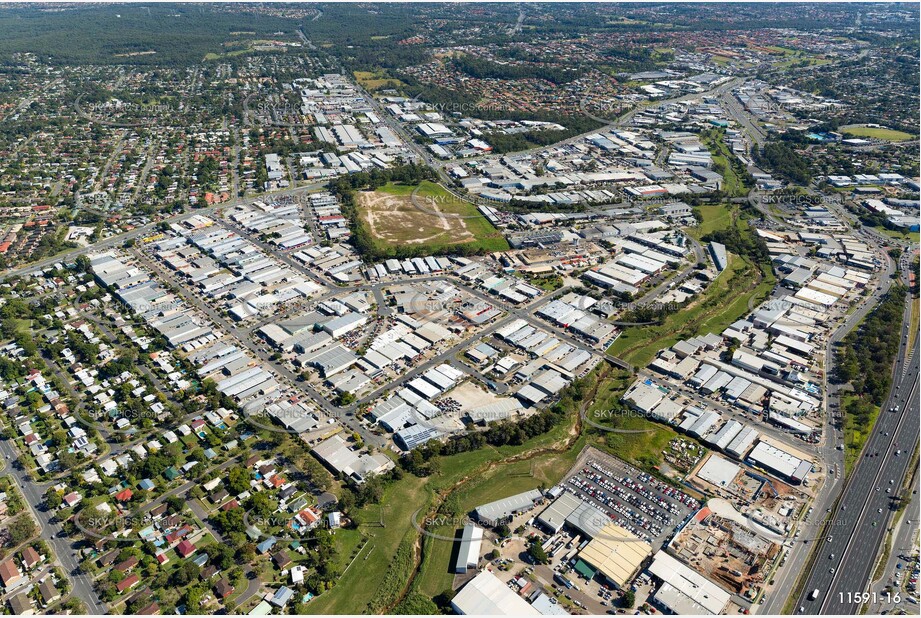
x=63, y=550
x=119, y=239
x=904, y=544
x=845, y=559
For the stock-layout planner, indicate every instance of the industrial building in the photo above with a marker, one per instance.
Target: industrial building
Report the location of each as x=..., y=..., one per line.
x=554, y=516
x=779, y=462
x=486, y=595
x=356, y=465
x=500, y=511
x=617, y=554
x=683, y=590
x=468, y=553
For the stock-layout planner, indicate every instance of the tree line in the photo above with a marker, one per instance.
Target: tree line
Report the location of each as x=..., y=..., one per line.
x=866, y=355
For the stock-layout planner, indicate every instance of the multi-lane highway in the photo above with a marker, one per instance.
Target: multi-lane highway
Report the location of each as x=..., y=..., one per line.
x=844, y=560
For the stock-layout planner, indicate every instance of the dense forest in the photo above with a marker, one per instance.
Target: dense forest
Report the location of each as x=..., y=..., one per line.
x=177, y=35
x=781, y=157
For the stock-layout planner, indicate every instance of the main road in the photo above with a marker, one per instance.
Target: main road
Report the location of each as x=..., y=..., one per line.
x=844, y=560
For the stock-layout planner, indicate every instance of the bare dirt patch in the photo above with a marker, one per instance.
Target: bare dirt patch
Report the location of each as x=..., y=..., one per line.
x=394, y=220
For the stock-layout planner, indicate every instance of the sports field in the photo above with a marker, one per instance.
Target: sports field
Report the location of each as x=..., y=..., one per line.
x=890, y=135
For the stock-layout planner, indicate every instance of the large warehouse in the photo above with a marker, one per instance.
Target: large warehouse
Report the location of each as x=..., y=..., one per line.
x=780, y=462
x=486, y=595
x=617, y=554
x=554, y=516
x=468, y=554
x=684, y=591
x=500, y=511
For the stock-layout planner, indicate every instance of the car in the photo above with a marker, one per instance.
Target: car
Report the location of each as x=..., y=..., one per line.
x=879, y=510
x=832, y=570
x=828, y=540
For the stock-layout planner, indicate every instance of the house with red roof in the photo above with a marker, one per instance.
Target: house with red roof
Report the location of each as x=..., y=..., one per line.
x=30, y=557
x=309, y=517
x=72, y=499
x=128, y=583
x=9, y=574
x=185, y=549
x=126, y=565
x=176, y=535
x=223, y=588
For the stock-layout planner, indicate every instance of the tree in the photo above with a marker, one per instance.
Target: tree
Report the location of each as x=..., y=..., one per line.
x=22, y=529
x=175, y=504
x=416, y=604
x=346, y=501
x=629, y=598
x=82, y=264
x=444, y=598
x=537, y=553
x=238, y=480
x=53, y=499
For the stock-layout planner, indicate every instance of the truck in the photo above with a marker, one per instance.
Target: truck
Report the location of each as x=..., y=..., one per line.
x=562, y=580
x=814, y=594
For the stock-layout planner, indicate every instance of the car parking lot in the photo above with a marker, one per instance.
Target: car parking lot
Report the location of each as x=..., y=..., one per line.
x=634, y=500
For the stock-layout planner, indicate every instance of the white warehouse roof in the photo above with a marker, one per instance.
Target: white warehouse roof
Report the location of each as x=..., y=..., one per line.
x=486, y=595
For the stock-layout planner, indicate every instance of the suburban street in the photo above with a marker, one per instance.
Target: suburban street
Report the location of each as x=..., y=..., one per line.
x=64, y=552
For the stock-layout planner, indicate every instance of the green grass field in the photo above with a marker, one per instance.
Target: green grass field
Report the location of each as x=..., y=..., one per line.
x=855, y=437
x=914, y=237
x=359, y=585
x=890, y=135
x=723, y=159
x=715, y=217
x=498, y=482
x=378, y=581
x=375, y=80
x=438, y=222
x=740, y=281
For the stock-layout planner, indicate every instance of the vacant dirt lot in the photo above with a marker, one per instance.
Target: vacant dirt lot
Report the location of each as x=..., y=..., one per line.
x=393, y=219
